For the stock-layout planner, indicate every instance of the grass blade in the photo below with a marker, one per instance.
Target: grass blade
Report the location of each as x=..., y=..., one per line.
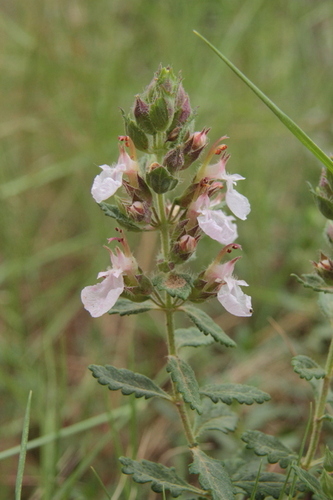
x=288, y=122
x=23, y=450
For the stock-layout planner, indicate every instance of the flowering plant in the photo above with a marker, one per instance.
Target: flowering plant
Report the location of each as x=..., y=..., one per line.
x=161, y=127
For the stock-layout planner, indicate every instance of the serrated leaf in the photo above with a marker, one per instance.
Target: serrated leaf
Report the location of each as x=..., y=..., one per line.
x=264, y=444
x=127, y=381
x=114, y=212
x=175, y=284
x=191, y=337
x=162, y=478
x=213, y=476
x=125, y=307
x=239, y=392
x=206, y=325
x=269, y=484
x=315, y=282
x=215, y=417
x=307, y=368
x=184, y=378
x=310, y=482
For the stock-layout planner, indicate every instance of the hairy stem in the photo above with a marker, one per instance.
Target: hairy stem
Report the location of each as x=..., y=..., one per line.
x=320, y=409
x=170, y=324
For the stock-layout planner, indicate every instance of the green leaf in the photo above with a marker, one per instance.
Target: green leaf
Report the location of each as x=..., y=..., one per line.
x=175, y=284
x=186, y=383
x=325, y=302
x=315, y=282
x=263, y=444
x=125, y=307
x=206, y=325
x=161, y=477
x=213, y=476
x=127, y=381
x=191, y=337
x=215, y=417
x=23, y=450
x=326, y=482
x=307, y=368
x=114, y=212
x=328, y=459
x=160, y=180
x=288, y=122
x=310, y=482
x=137, y=135
x=269, y=484
x=241, y=393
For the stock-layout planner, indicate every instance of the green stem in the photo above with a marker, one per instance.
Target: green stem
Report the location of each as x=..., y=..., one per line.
x=170, y=324
x=320, y=410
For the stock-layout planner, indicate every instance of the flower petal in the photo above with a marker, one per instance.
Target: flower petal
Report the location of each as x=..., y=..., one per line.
x=233, y=299
x=107, y=182
x=238, y=204
x=100, y=298
x=218, y=226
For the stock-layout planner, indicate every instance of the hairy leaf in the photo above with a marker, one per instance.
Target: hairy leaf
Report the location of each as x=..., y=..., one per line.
x=160, y=180
x=311, y=482
x=307, y=368
x=186, y=383
x=176, y=285
x=127, y=381
x=263, y=444
x=161, y=477
x=213, y=476
x=191, y=337
x=215, y=417
x=114, y=212
x=241, y=393
x=206, y=325
x=315, y=282
x=125, y=307
x=270, y=484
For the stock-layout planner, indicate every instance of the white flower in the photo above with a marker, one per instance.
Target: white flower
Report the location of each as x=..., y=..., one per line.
x=238, y=204
x=215, y=223
x=107, y=182
x=230, y=295
x=100, y=298
x=110, y=179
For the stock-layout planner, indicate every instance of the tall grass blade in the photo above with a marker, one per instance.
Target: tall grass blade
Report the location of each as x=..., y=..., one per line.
x=288, y=122
x=23, y=451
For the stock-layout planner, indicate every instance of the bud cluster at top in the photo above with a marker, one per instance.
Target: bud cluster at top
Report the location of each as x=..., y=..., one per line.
x=161, y=126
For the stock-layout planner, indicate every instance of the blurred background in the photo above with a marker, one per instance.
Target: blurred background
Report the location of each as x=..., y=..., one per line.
x=67, y=66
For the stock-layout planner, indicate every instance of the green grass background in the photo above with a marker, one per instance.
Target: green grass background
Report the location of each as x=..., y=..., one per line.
x=66, y=68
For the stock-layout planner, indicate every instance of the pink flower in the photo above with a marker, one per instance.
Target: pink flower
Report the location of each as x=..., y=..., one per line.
x=230, y=295
x=107, y=182
x=215, y=223
x=110, y=179
x=238, y=204
x=100, y=298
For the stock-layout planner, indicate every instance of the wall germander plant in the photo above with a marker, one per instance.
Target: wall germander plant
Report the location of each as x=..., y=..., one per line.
x=143, y=194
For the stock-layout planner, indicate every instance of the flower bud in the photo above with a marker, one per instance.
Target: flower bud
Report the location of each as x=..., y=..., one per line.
x=325, y=268
x=161, y=113
x=174, y=159
x=323, y=194
x=184, y=248
x=137, y=135
x=141, y=113
x=139, y=211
